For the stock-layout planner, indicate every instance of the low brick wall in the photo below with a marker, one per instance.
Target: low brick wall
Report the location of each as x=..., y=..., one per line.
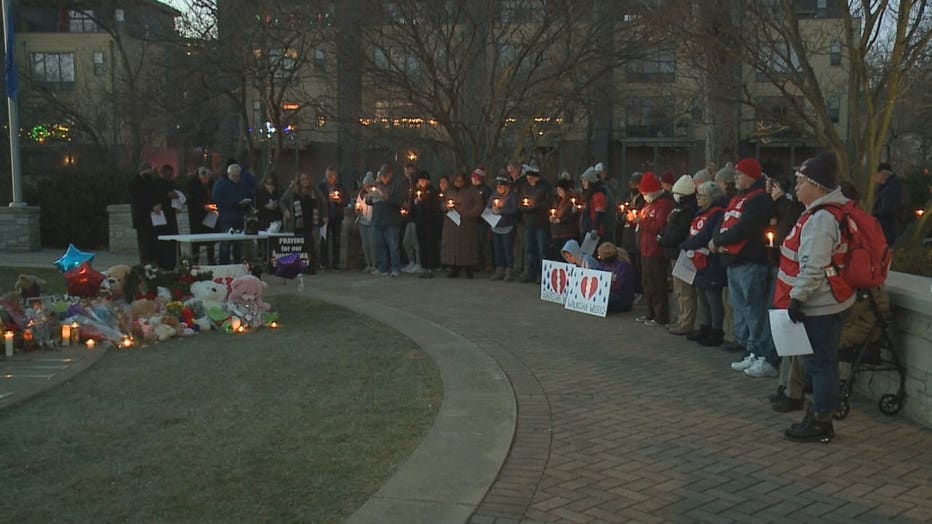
x=911, y=297
x=122, y=234
x=19, y=229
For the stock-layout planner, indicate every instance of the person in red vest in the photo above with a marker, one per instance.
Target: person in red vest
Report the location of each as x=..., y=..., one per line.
x=805, y=290
x=651, y=222
x=741, y=240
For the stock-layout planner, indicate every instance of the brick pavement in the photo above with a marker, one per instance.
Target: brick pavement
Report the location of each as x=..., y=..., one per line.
x=619, y=422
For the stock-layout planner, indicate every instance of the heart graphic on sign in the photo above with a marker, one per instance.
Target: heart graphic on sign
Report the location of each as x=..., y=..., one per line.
x=558, y=280
x=588, y=286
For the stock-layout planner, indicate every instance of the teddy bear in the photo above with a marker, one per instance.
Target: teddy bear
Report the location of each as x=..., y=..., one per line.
x=28, y=286
x=249, y=289
x=210, y=293
x=143, y=308
x=117, y=277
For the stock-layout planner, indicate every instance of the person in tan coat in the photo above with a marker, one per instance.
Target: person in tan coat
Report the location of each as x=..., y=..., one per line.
x=459, y=248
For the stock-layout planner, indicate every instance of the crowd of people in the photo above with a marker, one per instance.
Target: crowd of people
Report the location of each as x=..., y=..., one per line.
x=749, y=241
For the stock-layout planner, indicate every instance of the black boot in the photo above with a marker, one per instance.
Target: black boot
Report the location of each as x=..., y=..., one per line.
x=815, y=427
x=778, y=396
x=714, y=339
x=787, y=404
x=702, y=333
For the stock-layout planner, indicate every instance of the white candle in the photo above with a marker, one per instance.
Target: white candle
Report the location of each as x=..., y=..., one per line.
x=8, y=342
x=91, y=343
x=75, y=332
x=66, y=335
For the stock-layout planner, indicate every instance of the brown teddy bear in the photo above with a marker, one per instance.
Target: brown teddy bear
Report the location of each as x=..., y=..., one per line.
x=118, y=277
x=28, y=286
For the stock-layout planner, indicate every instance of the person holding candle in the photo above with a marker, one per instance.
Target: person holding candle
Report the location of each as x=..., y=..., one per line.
x=629, y=235
x=305, y=211
x=536, y=199
x=563, y=222
x=337, y=199
x=233, y=196
x=459, y=245
x=676, y=231
x=142, y=204
x=710, y=274
x=651, y=222
x=387, y=197
x=505, y=204
x=199, y=204
x=427, y=215
x=484, y=230
x=741, y=241
x=409, y=238
x=364, y=221
x=515, y=170
x=594, y=205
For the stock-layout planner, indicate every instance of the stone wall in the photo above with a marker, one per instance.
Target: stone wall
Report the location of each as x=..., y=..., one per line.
x=19, y=229
x=911, y=297
x=122, y=234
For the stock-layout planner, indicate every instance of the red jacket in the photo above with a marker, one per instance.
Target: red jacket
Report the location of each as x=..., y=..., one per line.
x=652, y=223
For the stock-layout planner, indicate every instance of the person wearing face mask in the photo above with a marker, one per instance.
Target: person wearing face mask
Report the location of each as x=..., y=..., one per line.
x=652, y=220
x=684, y=194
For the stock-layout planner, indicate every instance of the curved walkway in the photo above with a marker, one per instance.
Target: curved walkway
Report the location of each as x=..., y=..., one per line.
x=619, y=422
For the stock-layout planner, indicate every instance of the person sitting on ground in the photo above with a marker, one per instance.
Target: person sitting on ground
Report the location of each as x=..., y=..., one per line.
x=616, y=261
x=573, y=254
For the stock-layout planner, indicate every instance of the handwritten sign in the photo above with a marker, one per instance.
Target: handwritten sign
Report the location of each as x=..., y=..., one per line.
x=281, y=246
x=588, y=292
x=555, y=281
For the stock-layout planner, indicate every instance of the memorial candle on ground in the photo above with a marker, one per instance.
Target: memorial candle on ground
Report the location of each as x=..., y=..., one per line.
x=91, y=343
x=66, y=335
x=8, y=342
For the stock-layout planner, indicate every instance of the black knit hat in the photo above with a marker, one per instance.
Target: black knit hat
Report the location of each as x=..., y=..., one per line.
x=822, y=169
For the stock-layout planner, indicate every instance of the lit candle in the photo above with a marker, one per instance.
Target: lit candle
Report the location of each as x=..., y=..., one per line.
x=75, y=332
x=274, y=325
x=27, y=338
x=496, y=202
x=126, y=343
x=526, y=202
x=920, y=212
x=621, y=208
x=336, y=195
x=91, y=343
x=404, y=211
x=8, y=342
x=418, y=193
x=66, y=335
x=241, y=329
x=553, y=212
x=450, y=203
x=770, y=238
x=573, y=200
x=440, y=194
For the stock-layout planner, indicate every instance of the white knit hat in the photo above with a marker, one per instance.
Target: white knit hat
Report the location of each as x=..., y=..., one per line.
x=684, y=186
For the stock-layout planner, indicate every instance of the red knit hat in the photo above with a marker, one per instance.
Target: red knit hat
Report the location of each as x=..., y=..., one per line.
x=649, y=183
x=668, y=177
x=749, y=167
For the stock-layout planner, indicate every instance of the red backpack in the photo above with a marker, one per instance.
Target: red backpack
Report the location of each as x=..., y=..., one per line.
x=868, y=259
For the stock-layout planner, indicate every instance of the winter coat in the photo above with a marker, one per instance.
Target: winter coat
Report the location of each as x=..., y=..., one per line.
x=583, y=260
x=228, y=195
x=265, y=198
x=652, y=223
x=142, y=200
x=161, y=189
x=593, y=214
x=713, y=275
x=786, y=213
x=887, y=203
x=307, y=205
x=537, y=215
x=621, y=294
x=755, y=218
x=677, y=229
x=198, y=196
x=508, y=212
x=565, y=227
x=428, y=209
x=336, y=207
x=460, y=244
x=387, y=202
x=629, y=236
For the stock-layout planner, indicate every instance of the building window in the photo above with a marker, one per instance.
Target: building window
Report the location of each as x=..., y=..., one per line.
x=55, y=70
x=100, y=66
x=283, y=62
x=81, y=21
x=649, y=116
x=835, y=54
x=774, y=116
x=778, y=60
x=119, y=16
x=833, y=104
x=660, y=67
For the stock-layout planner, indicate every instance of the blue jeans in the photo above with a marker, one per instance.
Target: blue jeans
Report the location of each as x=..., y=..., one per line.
x=747, y=288
x=503, y=247
x=822, y=365
x=768, y=349
x=228, y=246
x=386, y=244
x=535, y=249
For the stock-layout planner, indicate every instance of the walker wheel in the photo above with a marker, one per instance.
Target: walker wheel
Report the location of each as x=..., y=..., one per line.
x=890, y=404
x=842, y=410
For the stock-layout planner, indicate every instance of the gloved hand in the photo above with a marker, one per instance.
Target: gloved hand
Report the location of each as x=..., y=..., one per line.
x=795, y=311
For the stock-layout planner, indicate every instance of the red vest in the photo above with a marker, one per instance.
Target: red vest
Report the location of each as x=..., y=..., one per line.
x=733, y=216
x=701, y=256
x=789, y=267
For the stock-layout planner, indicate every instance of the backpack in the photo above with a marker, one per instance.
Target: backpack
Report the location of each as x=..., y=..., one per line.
x=868, y=259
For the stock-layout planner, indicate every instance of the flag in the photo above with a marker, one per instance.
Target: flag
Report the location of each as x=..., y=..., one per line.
x=11, y=76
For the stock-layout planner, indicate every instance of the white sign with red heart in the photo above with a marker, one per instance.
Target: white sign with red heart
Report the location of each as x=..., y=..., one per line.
x=588, y=291
x=555, y=281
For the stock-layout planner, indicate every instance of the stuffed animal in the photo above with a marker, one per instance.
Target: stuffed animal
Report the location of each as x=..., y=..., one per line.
x=143, y=308
x=28, y=286
x=117, y=278
x=211, y=294
x=249, y=289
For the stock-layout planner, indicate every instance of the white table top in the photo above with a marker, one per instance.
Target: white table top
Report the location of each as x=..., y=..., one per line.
x=221, y=237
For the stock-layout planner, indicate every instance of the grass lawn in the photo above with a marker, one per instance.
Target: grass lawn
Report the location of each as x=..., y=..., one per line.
x=55, y=282
x=299, y=424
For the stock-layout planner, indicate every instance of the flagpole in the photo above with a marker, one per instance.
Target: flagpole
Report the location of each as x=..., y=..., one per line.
x=13, y=112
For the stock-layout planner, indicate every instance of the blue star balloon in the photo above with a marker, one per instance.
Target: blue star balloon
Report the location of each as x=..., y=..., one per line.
x=73, y=258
